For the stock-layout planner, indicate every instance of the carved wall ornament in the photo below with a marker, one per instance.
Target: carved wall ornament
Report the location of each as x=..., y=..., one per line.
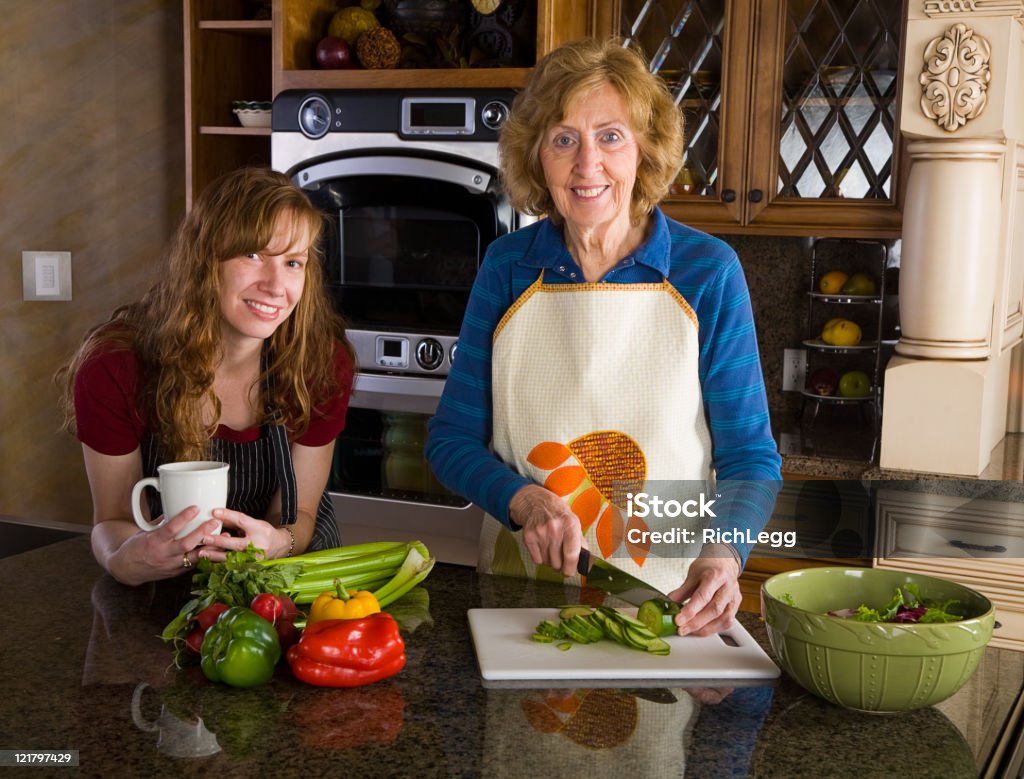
x=955, y=77
x=934, y=8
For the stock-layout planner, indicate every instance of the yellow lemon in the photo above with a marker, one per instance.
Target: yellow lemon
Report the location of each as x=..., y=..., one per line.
x=832, y=282
x=841, y=332
x=349, y=23
x=831, y=322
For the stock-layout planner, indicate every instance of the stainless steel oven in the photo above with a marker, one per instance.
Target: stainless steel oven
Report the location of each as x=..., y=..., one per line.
x=408, y=181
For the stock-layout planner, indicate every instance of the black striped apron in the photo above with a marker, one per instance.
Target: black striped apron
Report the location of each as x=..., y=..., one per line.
x=258, y=468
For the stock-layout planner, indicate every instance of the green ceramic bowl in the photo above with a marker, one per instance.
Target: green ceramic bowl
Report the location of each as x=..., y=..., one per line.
x=871, y=666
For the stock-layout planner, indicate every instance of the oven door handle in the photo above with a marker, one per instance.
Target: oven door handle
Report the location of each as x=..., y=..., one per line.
x=473, y=179
x=396, y=393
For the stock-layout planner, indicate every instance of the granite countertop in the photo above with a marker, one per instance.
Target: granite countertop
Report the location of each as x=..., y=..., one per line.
x=83, y=668
x=1003, y=479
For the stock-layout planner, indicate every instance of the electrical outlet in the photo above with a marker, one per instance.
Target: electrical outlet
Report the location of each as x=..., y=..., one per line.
x=789, y=443
x=794, y=370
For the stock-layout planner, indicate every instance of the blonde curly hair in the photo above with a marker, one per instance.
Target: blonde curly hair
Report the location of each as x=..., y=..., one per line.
x=174, y=330
x=562, y=77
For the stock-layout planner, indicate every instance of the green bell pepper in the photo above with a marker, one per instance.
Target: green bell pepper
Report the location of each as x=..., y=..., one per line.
x=240, y=649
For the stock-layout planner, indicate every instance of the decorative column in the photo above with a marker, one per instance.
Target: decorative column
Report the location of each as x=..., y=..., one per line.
x=945, y=404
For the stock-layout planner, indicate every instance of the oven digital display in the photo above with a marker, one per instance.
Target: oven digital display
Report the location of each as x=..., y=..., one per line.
x=391, y=348
x=438, y=116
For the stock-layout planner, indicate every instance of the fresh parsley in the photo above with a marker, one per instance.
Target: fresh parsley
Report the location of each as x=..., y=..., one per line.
x=234, y=582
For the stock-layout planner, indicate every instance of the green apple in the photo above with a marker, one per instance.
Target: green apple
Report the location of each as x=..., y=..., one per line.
x=854, y=384
x=859, y=284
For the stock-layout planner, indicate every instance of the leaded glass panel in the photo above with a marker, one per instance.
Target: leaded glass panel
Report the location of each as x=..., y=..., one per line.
x=683, y=42
x=839, y=98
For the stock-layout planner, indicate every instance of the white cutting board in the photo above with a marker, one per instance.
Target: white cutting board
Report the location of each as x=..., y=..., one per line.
x=505, y=651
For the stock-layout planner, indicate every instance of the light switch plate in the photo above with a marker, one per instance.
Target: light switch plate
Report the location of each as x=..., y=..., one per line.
x=46, y=275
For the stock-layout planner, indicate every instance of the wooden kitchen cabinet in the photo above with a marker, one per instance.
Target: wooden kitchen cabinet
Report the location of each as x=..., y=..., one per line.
x=791, y=105
x=227, y=58
x=300, y=24
x=791, y=109
x=972, y=540
x=230, y=55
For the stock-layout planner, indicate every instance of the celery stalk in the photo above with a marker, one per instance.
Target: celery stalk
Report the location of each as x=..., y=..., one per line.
x=339, y=553
x=309, y=591
x=352, y=565
x=413, y=571
x=388, y=569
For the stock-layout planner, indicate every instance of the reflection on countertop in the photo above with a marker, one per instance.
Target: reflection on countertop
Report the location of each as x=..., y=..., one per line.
x=111, y=692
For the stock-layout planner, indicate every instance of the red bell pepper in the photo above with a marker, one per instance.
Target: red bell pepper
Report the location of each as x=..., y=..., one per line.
x=348, y=652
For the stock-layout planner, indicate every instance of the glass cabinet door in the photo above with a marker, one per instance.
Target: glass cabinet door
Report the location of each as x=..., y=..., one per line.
x=689, y=44
x=826, y=110
x=791, y=110
x=839, y=99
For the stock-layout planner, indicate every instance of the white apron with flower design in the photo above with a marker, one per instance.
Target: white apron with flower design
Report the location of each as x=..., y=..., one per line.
x=596, y=393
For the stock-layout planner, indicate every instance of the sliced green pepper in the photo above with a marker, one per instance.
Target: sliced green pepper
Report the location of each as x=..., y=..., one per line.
x=240, y=649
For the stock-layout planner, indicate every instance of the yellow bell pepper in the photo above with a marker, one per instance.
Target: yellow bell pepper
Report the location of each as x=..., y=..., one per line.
x=342, y=604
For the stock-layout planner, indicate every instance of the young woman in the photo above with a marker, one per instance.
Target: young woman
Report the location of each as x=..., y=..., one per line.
x=234, y=354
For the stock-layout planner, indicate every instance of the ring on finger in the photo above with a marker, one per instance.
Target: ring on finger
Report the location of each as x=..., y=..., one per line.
x=185, y=562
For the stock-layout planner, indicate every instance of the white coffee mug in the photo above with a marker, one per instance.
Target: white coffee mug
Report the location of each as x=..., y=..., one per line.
x=201, y=483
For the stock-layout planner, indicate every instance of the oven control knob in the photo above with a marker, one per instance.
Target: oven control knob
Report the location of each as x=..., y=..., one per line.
x=494, y=114
x=429, y=354
x=451, y=353
x=314, y=117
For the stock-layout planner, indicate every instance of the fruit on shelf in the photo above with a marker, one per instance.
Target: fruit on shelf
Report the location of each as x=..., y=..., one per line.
x=824, y=381
x=333, y=53
x=854, y=384
x=378, y=49
x=841, y=332
x=832, y=282
x=859, y=284
x=349, y=23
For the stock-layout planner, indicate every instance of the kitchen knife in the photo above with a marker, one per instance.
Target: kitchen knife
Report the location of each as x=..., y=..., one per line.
x=605, y=576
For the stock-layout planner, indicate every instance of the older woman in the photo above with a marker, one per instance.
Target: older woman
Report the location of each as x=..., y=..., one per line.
x=605, y=348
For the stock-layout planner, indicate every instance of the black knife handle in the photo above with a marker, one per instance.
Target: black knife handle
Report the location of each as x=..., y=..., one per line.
x=583, y=564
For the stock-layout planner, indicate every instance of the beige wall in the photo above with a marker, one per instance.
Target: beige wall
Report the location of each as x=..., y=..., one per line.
x=91, y=162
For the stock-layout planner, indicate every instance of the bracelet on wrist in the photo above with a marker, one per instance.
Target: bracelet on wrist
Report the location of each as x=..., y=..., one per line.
x=291, y=540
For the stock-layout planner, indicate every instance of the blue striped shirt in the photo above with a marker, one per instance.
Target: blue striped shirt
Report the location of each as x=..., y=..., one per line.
x=705, y=271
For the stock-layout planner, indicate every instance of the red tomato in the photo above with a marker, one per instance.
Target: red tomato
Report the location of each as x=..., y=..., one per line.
x=210, y=614
x=287, y=634
x=194, y=640
x=274, y=608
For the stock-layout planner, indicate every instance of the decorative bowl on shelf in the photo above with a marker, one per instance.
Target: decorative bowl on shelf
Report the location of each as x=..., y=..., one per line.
x=873, y=666
x=252, y=113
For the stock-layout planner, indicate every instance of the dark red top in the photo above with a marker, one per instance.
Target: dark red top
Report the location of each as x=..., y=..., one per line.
x=109, y=420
